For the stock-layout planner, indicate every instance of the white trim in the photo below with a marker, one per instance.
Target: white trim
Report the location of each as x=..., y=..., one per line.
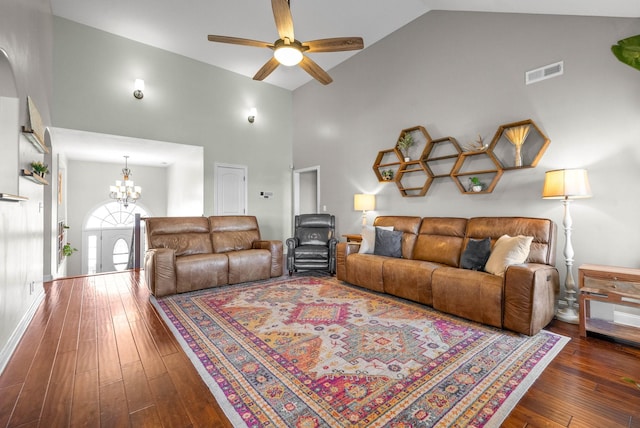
x=296, y=188
x=11, y=345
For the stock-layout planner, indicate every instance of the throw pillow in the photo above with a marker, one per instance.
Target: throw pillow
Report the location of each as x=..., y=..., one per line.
x=507, y=251
x=476, y=254
x=368, y=242
x=388, y=243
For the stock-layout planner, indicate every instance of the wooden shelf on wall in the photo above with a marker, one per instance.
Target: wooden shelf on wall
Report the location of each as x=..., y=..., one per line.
x=30, y=175
x=6, y=197
x=35, y=140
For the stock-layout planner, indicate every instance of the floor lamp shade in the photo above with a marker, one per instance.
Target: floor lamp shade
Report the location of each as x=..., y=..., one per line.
x=567, y=184
x=363, y=202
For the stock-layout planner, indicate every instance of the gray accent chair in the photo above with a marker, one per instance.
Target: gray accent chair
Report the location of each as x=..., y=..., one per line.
x=313, y=246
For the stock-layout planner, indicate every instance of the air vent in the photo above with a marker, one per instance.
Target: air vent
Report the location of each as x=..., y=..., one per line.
x=546, y=72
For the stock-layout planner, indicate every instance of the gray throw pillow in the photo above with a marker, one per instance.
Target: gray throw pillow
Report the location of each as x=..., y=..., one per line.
x=476, y=254
x=388, y=243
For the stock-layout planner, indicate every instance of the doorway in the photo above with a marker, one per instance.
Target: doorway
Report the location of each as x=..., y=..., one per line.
x=306, y=190
x=230, y=196
x=108, y=237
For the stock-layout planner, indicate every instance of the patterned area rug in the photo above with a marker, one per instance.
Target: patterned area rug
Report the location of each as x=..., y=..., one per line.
x=312, y=351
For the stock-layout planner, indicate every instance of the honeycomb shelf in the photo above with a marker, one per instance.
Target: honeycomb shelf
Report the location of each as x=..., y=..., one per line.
x=515, y=145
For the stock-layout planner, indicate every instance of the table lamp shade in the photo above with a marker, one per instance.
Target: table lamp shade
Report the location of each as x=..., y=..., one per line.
x=566, y=184
x=362, y=202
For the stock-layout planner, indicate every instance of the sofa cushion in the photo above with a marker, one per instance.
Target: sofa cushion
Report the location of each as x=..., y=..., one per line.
x=249, y=265
x=368, y=243
x=200, y=271
x=440, y=240
x=233, y=233
x=469, y=294
x=476, y=254
x=185, y=235
x=408, y=225
x=507, y=251
x=388, y=243
x=543, y=231
x=409, y=279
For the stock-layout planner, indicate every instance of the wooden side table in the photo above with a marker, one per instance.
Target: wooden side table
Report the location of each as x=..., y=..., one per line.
x=609, y=284
x=353, y=238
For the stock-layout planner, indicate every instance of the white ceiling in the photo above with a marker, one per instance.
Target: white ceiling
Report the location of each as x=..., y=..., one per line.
x=182, y=27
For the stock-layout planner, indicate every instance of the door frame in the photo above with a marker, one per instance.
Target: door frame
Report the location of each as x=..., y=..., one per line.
x=216, y=171
x=296, y=187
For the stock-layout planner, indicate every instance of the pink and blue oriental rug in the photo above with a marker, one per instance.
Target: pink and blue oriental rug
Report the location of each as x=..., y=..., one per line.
x=314, y=352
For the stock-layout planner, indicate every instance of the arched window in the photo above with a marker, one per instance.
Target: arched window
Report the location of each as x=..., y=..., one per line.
x=108, y=235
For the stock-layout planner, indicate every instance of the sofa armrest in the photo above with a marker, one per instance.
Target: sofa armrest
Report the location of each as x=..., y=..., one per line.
x=530, y=295
x=333, y=242
x=343, y=249
x=292, y=243
x=275, y=248
x=160, y=271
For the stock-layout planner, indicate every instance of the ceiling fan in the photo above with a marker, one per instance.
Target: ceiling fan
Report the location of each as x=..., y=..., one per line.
x=289, y=51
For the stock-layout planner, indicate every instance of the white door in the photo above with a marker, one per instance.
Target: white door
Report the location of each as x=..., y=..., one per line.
x=114, y=249
x=230, y=196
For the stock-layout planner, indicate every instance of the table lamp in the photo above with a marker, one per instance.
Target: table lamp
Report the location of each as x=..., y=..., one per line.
x=363, y=202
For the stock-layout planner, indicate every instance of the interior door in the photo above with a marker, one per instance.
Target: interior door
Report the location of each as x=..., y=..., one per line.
x=230, y=196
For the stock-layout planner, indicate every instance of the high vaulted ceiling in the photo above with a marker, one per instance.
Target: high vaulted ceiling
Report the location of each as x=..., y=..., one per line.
x=182, y=26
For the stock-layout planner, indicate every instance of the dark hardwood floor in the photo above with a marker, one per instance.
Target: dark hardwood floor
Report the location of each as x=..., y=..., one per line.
x=97, y=355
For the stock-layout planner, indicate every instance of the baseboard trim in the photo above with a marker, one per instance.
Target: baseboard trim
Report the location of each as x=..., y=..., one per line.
x=11, y=345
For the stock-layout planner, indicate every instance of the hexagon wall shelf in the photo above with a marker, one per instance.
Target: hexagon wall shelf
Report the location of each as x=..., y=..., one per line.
x=515, y=145
x=506, y=141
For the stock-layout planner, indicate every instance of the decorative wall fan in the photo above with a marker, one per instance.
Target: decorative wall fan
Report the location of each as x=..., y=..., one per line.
x=289, y=51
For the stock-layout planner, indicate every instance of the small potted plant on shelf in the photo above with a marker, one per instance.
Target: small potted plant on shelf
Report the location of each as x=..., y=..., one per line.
x=404, y=143
x=39, y=168
x=475, y=185
x=387, y=174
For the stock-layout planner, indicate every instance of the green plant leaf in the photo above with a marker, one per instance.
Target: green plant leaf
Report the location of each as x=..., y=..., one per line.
x=628, y=51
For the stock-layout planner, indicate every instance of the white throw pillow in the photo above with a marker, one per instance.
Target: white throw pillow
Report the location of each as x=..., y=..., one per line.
x=507, y=251
x=368, y=243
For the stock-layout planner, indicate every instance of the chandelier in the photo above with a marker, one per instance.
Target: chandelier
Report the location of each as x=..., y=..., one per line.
x=124, y=191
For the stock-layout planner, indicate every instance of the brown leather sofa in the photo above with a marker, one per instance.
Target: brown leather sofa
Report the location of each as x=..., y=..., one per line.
x=191, y=253
x=522, y=300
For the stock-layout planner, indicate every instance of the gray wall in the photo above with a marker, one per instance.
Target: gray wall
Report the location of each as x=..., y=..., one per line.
x=460, y=74
x=185, y=102
x=26, y=36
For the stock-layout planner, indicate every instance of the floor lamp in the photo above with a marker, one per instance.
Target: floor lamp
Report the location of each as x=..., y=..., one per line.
x=364, y=203
x=567, y=184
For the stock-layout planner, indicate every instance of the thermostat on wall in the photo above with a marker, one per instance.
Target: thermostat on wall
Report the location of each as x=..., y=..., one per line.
x=266, y=195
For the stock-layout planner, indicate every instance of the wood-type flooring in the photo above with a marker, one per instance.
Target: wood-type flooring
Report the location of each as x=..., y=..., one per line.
x=97, y=354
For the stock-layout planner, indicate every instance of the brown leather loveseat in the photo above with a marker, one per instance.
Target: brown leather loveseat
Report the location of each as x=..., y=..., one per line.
x=191, y=253
x=429, y=270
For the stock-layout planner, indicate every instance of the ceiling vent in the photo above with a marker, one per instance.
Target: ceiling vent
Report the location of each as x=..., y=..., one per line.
x=546, y=72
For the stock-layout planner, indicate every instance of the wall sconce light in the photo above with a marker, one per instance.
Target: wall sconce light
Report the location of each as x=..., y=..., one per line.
x=138, y=89
x=252, y=114
x=364, y=203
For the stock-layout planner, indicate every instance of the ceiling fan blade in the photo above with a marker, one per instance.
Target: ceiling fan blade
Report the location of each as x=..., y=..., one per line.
x=284, y=20
x=315, y=70
x=336, y=44
x=266, y=69
x=239, y=41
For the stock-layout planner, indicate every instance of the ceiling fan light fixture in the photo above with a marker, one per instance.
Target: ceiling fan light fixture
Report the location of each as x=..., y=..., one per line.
x=288, y=55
